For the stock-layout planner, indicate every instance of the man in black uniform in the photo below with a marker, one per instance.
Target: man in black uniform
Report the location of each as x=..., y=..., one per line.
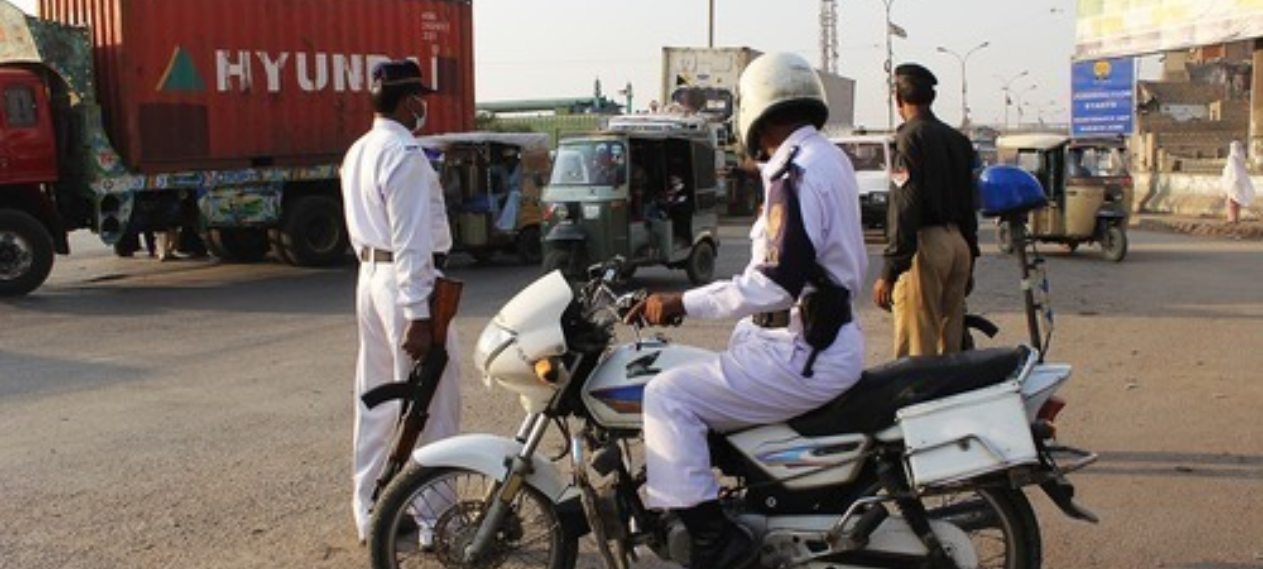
x=932, y=228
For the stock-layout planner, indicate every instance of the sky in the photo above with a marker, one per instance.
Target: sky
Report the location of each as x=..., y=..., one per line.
x=545, y=49
x=558, y=48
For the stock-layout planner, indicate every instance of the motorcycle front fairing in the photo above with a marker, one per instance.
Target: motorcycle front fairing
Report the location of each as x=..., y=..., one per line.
x=525, y=331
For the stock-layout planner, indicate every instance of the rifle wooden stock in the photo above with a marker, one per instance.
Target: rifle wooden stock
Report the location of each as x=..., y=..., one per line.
x=444, y=301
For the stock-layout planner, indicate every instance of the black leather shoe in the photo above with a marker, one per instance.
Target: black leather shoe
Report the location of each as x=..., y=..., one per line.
x=717, y=542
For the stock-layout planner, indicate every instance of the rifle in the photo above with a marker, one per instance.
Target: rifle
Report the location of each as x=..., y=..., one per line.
x=418, y=391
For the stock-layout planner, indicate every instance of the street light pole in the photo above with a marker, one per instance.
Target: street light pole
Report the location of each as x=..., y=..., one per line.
x=1008, y=100
x=1021, y=94
x=964, y=79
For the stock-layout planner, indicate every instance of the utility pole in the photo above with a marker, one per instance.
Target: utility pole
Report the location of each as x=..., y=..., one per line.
x=891, y=30
x=829, y=35
x=710, y=37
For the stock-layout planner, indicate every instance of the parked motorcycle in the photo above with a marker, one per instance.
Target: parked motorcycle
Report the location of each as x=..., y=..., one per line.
x=921, y=464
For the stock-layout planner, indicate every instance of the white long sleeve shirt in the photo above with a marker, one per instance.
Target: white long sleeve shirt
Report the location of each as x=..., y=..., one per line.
x=829, y=196
x=393, y=202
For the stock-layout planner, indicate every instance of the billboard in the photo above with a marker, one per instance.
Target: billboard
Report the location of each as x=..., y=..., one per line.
x=1102, y=97
x=1112, y=28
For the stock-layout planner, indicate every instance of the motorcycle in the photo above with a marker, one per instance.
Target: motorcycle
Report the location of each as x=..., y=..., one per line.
x=921, y=464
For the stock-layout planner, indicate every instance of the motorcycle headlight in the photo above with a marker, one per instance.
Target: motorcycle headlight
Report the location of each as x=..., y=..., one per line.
x=491, y=343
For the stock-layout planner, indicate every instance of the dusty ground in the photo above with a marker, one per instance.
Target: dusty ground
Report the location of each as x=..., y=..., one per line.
x=197, y=415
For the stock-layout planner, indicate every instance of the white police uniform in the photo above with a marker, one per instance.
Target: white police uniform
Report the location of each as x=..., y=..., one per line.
x=394, y=205
x=759, y=378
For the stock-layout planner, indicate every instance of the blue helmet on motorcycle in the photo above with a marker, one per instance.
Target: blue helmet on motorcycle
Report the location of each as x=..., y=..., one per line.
x=1004, y=190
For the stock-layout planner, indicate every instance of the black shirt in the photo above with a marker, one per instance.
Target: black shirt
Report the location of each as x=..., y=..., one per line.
x=934, y=185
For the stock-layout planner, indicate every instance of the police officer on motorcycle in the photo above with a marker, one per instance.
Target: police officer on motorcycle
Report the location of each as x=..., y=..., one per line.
x=796, y=344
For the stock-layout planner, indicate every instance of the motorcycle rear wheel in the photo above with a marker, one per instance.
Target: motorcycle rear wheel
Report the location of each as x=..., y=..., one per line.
x=999, y=522
x=454, y=498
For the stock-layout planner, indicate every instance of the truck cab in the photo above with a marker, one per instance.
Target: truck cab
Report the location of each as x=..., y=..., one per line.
x=28, y=150
x=31, y=226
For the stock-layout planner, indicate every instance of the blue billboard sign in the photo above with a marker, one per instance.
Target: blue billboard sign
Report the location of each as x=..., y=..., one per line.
x=1103, y=94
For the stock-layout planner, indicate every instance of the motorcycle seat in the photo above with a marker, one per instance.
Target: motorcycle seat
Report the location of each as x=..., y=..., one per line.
x=869, y=406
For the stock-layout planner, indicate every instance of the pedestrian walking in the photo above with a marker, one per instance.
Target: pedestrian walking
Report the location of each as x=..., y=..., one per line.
x=1236, y=185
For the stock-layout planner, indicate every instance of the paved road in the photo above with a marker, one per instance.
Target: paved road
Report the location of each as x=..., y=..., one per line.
x=198, y=415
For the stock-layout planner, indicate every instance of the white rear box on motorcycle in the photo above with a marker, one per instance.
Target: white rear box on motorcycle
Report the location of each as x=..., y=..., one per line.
x=966, y=435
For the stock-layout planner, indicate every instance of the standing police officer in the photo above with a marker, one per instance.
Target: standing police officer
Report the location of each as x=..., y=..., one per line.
x=800, y=346
x=932, y=224
x=398, y=227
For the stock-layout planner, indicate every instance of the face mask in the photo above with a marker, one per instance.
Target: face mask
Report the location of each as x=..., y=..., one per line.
x=419, y=117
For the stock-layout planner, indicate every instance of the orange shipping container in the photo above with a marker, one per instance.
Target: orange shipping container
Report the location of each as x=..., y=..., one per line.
x=208, y=84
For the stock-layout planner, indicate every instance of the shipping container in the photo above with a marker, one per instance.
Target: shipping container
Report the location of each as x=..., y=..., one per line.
x=839, y=91
x=717, y=69
x=218, y=84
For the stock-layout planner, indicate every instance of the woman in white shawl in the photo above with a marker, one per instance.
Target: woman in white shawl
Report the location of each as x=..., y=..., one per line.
x=1236, y=184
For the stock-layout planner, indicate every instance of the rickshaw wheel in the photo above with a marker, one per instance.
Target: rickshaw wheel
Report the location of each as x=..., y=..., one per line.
x=701, y=263
x=529, y=247
x=1004, y=237
x=570, y=264
x=1114, y=243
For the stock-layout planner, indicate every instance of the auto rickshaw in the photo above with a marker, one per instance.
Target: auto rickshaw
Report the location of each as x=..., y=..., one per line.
x=491, y=185
x=1088, y=188
x=650, y=197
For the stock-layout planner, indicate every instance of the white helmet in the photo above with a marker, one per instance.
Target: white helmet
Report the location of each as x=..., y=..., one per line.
x=774, y=81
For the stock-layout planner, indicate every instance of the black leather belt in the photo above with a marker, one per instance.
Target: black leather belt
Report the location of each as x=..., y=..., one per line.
x=778, y=319
x=369, y=254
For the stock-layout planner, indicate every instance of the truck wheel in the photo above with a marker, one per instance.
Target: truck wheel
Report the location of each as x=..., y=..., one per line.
x=128, y=245
x=529, y=248
x=701, y=263
x=313, y=232
x=241, y=245
x=26, y=253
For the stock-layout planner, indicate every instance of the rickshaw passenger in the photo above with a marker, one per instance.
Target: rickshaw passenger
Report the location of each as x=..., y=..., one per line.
x=636, y=191
x=1075, y=168
x=510, y=186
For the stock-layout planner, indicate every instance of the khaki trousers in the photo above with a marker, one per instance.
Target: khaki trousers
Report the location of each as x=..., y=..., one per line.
x=929, y=299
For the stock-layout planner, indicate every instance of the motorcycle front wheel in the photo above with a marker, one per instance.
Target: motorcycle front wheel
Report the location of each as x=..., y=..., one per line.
x=427, y=517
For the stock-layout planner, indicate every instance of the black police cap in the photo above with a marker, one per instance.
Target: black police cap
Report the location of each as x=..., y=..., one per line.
x=916, y=72
x=402, y=74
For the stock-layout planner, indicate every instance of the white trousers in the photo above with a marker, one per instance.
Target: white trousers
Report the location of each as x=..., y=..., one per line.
x=382, y=360
x=756, y=381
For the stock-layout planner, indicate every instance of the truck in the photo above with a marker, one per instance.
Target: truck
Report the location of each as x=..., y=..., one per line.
x=228, y=117
x=704, y=80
